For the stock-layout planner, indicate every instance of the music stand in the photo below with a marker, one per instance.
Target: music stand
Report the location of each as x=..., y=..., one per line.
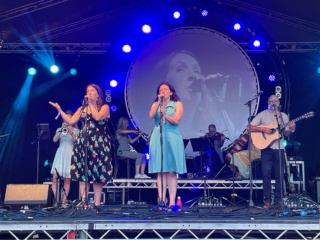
x=43, y=134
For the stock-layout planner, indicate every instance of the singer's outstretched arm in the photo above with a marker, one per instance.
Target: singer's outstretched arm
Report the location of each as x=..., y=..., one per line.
x=70, y=120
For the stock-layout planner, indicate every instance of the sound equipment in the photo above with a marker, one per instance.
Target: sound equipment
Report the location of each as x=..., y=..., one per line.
x=28, y=194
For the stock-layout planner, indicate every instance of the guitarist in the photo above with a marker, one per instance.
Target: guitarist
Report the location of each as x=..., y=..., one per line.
x=270, y=155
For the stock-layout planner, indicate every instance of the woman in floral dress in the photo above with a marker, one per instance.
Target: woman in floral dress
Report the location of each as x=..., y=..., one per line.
x=92, y=137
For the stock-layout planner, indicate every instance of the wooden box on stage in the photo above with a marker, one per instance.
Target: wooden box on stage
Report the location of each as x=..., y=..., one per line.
x=27, y=194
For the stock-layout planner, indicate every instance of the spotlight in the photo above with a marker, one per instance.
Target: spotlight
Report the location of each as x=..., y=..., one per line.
x=113, y=108
x=126, y=48
x=285, y=143
x=54, y=69
x=256, y=43
x=318, y=70
x=272, y=78
x=204, y=13
x=73, y=71
x=146, y=28
x=208, y=152
x=147, y=156
x=236, y=26
x=176, y=14
x=32, y=71
x=113, y=83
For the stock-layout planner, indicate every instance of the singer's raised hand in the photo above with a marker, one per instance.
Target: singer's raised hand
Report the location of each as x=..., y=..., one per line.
x=56, y=105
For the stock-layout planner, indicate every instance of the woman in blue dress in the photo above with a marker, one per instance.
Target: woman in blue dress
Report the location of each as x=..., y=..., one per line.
x=94, y=115
x=167, y=110
x=66, y=135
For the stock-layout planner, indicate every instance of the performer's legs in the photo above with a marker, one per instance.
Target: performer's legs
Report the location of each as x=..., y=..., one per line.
x=54, y=184
x=266, y=165
x=66, y=190
x=276, y=163
x=162, y=192
x=82, y=190
x=97, y=189
x=139, y=158
x=172, y=186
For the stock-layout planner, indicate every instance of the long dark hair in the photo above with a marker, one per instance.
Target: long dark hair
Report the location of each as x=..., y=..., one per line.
x=174, y=97
x=101, y=100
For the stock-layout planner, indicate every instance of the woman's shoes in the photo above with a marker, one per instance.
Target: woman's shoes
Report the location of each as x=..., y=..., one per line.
x=141, y=176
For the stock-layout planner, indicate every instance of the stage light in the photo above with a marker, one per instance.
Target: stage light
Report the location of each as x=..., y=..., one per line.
x=146, y=28
x=126, y=48
x=285, y=143
x=204, y=13
x=208, y=152
x=278, y=90
x=113, y=108
x=176, y=15
x=236, y=26
x=73, y=71
x=32, y=71
x=147, y=156
x=175, y=208
x=272, y=78
x=54, y=69
x=256, y=43
x=318, y=70
x=113, y=83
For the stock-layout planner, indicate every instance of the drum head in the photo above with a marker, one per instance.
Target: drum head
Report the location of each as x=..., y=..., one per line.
x=212, y=75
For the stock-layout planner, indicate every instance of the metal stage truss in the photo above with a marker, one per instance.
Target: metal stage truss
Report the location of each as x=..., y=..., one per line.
x=102, y=48
x=190, y=184
x=167, y=227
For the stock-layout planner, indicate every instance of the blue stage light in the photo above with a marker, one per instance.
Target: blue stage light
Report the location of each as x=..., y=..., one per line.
x=318, y=70
x=256, y=43
x=113, y=83
x=54, y=69
x=113, y=108
x=73, y=71
x=126, y=48
x=272, y=78
x=146, y=28
x=204, y=13
x=237, y=26
x=176, y=15
x=32, y=71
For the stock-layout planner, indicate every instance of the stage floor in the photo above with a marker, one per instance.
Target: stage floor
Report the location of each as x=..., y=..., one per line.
x=139, y=221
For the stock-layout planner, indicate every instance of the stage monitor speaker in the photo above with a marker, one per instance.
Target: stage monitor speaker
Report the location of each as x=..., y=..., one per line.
x=27, y=194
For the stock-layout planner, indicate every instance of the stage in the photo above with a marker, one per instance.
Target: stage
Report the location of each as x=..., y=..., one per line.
x=203, y=218
x=138, y=223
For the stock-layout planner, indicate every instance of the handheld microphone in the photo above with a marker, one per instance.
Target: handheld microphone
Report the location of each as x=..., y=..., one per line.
x=274, y=106
x=85, y=101
x=59, y=113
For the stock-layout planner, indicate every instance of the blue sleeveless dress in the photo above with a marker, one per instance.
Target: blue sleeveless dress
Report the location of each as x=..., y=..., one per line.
x=173, y=147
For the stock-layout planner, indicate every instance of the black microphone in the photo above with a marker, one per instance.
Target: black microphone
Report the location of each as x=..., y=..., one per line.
x=274, y=106
x=258, y=93
x=161, y=101
x=85, y=101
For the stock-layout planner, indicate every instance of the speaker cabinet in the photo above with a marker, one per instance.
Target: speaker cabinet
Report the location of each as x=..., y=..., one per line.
x=28, y=194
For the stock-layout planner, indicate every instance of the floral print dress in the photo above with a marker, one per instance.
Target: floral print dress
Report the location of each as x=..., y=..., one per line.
x=99, y=152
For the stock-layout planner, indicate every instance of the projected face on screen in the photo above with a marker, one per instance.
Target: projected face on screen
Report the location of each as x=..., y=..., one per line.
x=212, y=75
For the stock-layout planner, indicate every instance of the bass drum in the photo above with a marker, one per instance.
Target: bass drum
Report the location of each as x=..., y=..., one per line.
x=212, y=75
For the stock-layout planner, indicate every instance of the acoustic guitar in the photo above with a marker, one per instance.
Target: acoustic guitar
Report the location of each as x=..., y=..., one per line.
x=262, y=140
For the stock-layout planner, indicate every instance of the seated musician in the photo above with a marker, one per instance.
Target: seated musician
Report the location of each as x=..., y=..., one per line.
x=216, y=141
x=241, y=162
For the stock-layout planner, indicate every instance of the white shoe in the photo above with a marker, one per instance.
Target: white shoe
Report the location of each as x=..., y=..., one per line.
x=145, y=176
x=137, y=176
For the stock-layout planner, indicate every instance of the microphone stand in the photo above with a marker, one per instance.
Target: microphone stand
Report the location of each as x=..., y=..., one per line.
x=162, y=201
x=38, y=139
x=85, y=136
x=280, y=158
x=59, y=187
x=248, y=104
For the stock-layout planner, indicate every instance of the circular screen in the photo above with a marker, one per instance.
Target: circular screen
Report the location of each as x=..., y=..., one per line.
x=212, y=75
